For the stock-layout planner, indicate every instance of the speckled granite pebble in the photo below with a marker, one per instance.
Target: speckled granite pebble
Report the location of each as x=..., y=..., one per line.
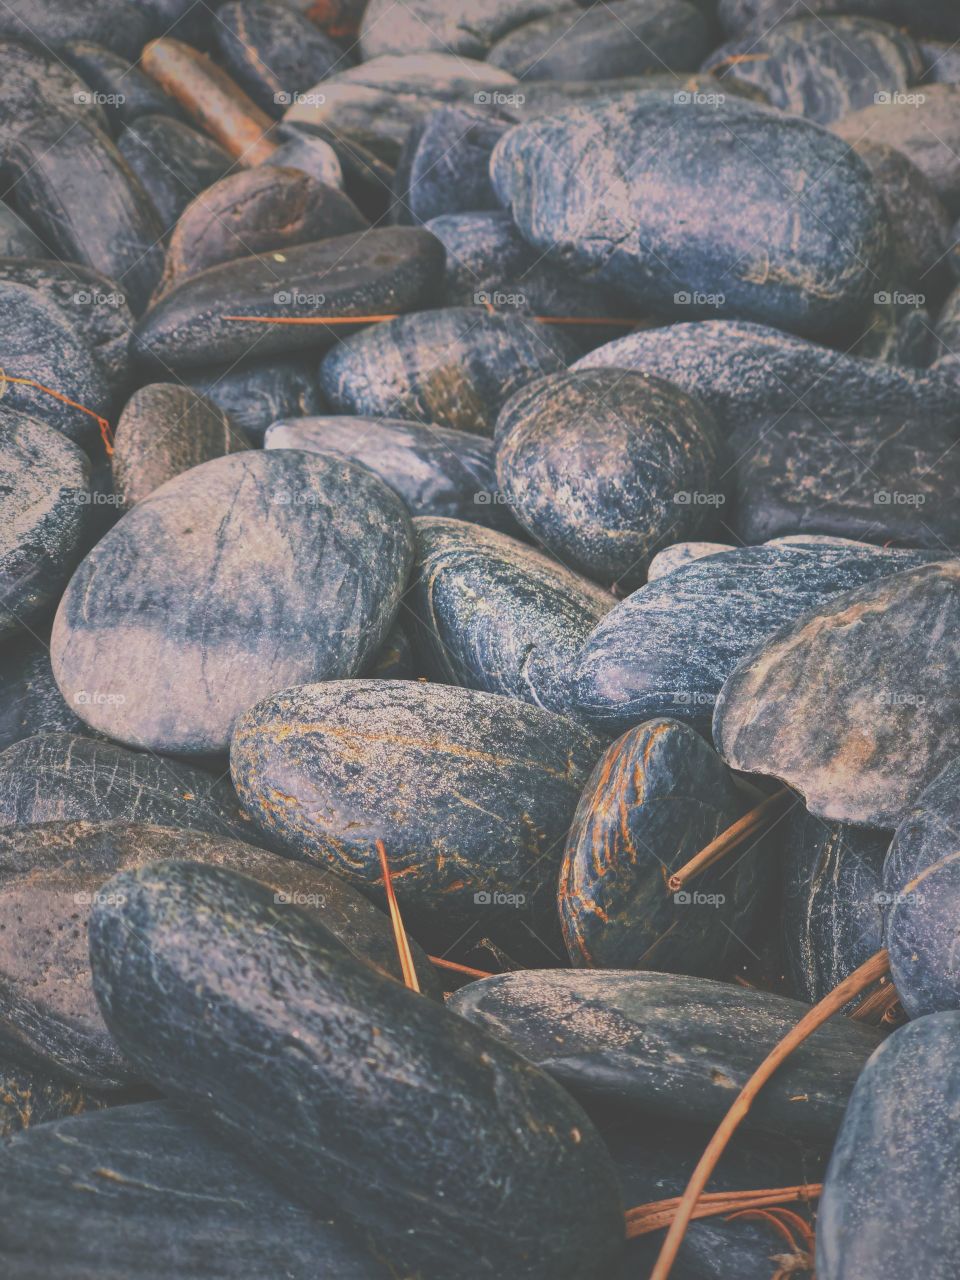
x=51, y=876
x=164, y=430
x=454, y=367
x=665, y=1045
x=141, y=1191
x=745, y=370
x=264, y=568
x=667, y=649
x=220, y=1035
x=364, y=273
x=822, y=68
x=854, y=704
x=891, y=1199
x=657, y=797
x=436, y=471
x=886, y=478
x=471, y=793
x=59, y=777
x=500, y=616
x=604, y=467
x=44, y=517
x=804, y=232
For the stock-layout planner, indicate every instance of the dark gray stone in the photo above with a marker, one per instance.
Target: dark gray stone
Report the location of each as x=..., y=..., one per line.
x=854, y=704
x=921, y=934
x=239, y=577
x=173, y=161
x=928, y=832
x=891, y=1198
x=256, y=393
x=30, y=702
x=471, y=794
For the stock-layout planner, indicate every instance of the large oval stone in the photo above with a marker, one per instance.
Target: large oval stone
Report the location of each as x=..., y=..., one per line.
x=56, y=777
x=891, y=1198
x=823, y=68
x=264, y=210
x=140, y=1189
x=44, y=517
x=471, y=793
x=500, y=616
x=668, y=648
x=855, y=704
x=50, y=877
x=665, y=1045
x=239, y=577
x=436, y=471
x=803, y=230
x=365, y=1047
x=256, y=393
x=622, y=38
x=832, y=901
x=164, y=430
x=656, y=798
x=889, y=478
x=928, y=831
x=922, y=933
x=606, y=467
x=454, y=367
x=360, y=274
x=746, y=370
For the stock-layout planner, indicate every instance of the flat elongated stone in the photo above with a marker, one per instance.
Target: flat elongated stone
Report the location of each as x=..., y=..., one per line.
x=925, y=125
x=454, y=367
x=30, y=702
x=173, y=162
x=273, y=52
x=921, y=933
x=57, y=777
x=436, y=471
x=455, y=26
x=500, y=616
x=264, y=210
x=832, y=901
x=823, y=68
x=141, y=1191
x=804, y=232
x=313, y=1119
x=854, y=704
x=889, y=478
x=164, y=430
x=118, y=26
x=471, y=794
x=605, y=467
x=622, y=38
x=745, y=370
x=891, y=1198
x=928, y=831
x=665, y=1045
x=256, y=393
x=264, y=568
x=656, y=798
x=668, y=648
x=44, y=517
x=365, y=273
x=51, y=875
x=40, y=343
